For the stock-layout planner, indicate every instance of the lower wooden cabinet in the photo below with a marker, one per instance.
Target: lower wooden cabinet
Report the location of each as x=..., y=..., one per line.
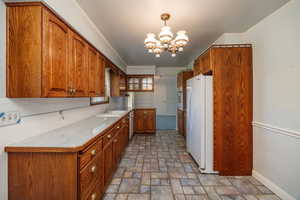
x=79, y=173
x=145, y=120
x=181, y=122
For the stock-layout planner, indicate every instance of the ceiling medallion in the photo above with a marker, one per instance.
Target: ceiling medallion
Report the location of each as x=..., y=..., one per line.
x=166, y=40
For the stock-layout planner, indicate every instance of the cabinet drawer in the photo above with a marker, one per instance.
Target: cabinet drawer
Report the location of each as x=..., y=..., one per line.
x=110, y=134
x=95, y=193
x=90, y=175
x=89, y=153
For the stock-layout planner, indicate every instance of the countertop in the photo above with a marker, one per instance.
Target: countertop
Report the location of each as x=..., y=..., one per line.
x=73, y=135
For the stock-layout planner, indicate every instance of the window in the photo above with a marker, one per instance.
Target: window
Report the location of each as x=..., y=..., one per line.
x=141, y=83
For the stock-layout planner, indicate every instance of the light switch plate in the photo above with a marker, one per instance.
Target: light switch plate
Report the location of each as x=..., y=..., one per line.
x=9, y=118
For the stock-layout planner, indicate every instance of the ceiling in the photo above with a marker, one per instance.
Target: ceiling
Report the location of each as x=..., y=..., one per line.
x=125, y=23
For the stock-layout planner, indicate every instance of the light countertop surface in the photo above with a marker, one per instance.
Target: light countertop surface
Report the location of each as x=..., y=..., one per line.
x=76, y=134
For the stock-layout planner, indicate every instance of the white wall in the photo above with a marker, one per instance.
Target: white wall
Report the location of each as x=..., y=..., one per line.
x=165, y=93
x=38, y=124
x=276, y=68
x=141, y=69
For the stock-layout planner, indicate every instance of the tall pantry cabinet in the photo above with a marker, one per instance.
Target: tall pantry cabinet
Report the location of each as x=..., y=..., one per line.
x=231, y=68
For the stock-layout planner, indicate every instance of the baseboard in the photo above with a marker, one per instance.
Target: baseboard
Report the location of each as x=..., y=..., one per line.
x=272, y=186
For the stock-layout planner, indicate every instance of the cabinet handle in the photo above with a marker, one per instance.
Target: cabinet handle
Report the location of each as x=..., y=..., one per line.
x=118, y=127
x=93, y=168
x=70, y=91
x=93, y=152
x=74, y=90
x=93, y=197
x=145, y=113
x=109, y=136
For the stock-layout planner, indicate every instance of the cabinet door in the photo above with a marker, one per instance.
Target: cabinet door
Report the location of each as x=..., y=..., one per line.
x=100, y=77
x=139, y=121
x=92, y=66
x=114, y=84
x=118, y=148
x=55, y=56
x=149, y=120
x=78, y=69
x=179, y=121
x=108, y=157
x=197, y=70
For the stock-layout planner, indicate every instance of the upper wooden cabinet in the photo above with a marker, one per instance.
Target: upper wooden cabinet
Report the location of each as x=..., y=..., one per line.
x=47, y=58
x=96, y=73
x=56, y=48
x=140, y=83
x=203, y=64
x=115, y=83
x=78, y=68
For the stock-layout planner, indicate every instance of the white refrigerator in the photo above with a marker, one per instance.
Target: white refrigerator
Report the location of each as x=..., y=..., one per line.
x=200, y=121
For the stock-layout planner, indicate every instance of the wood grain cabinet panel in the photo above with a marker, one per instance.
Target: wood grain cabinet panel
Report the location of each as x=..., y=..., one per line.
x=78, y=70
x=115, y=83
x=100, y=77
x=47, y=176
x=24, y=38
x=145, y=120
x=55, y=56
x=47, y=58
x=108, y=154
x=180, y=122
x=93, y=67
x=231, y=68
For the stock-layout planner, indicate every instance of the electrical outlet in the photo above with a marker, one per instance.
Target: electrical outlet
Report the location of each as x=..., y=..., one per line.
x=9, y=118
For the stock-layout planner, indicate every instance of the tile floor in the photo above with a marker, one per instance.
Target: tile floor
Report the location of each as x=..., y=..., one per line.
x=157, y=167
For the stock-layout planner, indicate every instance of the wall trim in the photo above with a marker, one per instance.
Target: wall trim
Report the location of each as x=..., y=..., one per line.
x=274, y=129
x=272, y=186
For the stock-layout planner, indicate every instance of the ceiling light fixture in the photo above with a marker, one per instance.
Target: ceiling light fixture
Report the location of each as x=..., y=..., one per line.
x=166, y=40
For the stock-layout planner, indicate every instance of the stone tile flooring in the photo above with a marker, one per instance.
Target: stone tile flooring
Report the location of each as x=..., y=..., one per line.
x=157, y=167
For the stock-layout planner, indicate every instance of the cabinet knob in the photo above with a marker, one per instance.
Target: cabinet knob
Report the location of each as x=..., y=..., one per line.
x=118, y=127
x=70, y=90
x=93, y=168
x=93, y=152
x=93, y=197
x=109, y=136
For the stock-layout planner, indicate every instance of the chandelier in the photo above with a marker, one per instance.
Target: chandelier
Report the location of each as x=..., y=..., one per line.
x=166, y=41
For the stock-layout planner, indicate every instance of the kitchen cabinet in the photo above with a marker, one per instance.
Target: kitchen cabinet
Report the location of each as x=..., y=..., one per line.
x=73, y=173
x=145, y=120
x=123, y=83
x=48, y=58
x=140, y=83
x=231, y=69
x=182, y=78
x=181, y=122
x=56, y=48
x=78, y=68
x=96, y=73
x=115, y=83
x=203, y=64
